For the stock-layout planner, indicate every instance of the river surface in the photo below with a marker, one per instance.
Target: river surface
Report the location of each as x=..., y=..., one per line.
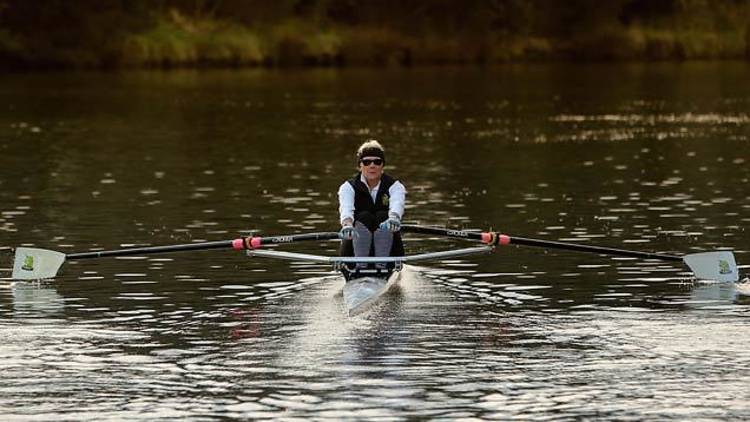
x=644, y=157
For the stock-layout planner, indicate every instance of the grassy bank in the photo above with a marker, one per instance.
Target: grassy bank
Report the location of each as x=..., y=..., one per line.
x=179, y=41
x=174, y=38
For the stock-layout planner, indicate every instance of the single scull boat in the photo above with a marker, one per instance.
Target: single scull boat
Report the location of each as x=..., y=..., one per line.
x=364, y=286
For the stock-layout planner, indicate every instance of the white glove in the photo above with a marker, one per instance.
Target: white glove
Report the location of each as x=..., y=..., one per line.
x=392, y=224
x=346, y=232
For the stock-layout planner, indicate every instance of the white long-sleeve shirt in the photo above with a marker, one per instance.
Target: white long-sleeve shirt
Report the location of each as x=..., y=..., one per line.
x=397, y=194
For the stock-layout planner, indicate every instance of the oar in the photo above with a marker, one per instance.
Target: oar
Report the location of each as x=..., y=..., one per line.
x=715, y=265
x=37, y=264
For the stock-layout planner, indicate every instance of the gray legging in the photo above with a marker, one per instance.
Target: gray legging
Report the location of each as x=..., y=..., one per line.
x=380, y=240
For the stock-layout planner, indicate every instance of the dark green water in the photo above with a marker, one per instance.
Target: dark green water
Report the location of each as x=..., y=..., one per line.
x=644, y=157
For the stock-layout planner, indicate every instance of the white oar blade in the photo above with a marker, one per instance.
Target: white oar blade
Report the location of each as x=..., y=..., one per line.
x=718, y=266
x=36, y=264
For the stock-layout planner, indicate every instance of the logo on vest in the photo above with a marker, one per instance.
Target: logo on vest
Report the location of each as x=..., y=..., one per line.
x=386, y=200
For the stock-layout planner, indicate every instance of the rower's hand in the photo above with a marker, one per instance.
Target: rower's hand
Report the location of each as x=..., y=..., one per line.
x=346, y=232
x=392, y=224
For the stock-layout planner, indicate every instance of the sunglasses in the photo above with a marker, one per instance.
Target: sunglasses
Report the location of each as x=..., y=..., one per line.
x=367, y=161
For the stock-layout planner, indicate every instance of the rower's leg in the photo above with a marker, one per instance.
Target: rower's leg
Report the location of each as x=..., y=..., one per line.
x=362, y=239
x=383, y=243
x=383, y=238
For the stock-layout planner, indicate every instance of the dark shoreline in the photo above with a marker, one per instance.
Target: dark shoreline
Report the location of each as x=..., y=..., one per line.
x=50, y=35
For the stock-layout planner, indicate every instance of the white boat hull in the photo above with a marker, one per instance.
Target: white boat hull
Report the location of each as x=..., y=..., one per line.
x=361, y=293
x=365, y=287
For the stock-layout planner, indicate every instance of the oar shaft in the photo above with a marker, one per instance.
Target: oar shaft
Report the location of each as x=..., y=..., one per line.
x=503, y=239
x=257, y=242
x=460, y=234
x=152, y=250
x=239, y=243
x=589, y=248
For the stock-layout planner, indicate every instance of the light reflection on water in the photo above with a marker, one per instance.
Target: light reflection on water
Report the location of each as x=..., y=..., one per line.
x=427, y=351
x=650, y=163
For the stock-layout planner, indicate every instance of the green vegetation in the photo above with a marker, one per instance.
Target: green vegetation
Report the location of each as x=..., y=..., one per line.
x=167, y=33
x=179, y=41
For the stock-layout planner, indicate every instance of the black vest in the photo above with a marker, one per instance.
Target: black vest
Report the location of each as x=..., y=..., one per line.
x=363, y=199
x=376, y=212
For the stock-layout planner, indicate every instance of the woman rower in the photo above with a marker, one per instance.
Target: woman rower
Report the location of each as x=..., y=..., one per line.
x=371, y=205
